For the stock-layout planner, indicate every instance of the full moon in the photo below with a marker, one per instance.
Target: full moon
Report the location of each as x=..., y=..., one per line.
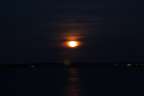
x=72, y=44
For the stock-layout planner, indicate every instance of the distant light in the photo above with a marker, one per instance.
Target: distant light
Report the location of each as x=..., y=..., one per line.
x=67, y=62
x=116, y=64
x=72, y=44
x=129, y=64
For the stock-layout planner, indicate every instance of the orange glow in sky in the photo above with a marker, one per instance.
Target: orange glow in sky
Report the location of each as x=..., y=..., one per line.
x=72, y=44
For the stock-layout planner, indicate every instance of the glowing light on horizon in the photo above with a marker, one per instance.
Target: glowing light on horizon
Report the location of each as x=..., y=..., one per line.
x=72, y=44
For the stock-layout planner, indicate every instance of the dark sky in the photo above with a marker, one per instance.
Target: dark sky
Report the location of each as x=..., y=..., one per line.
x=31, y=30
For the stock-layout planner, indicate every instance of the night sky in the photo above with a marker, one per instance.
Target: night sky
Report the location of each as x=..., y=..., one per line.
x=32, y=30
x=31, y=55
